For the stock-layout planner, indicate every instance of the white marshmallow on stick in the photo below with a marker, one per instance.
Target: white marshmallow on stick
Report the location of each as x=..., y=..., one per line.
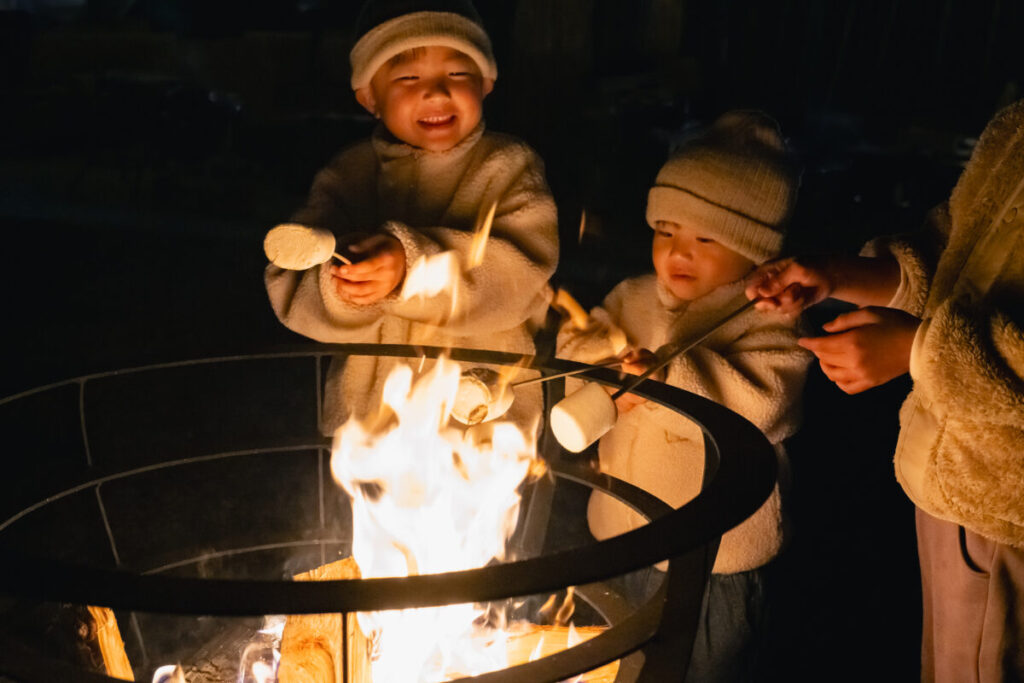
x=297, y=247
x=481, y=396
x=583, y=417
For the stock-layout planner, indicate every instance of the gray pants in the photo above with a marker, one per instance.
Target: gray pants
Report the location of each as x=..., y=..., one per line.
x=973, y=605
x=730, y=638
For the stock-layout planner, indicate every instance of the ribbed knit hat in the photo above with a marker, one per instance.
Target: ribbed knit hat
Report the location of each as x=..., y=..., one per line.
x=386, y=28
x=737, y=181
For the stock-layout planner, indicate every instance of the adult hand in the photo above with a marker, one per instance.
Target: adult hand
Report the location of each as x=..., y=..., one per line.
x=790, y=285
x=865, y=348
x=375, y=276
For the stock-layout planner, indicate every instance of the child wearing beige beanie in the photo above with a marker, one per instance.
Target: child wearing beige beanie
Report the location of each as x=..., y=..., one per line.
x=416, y=188
x=718, y=207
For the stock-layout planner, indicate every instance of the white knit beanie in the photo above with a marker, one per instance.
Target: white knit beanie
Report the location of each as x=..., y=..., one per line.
x=386, y=28
x=737, y=182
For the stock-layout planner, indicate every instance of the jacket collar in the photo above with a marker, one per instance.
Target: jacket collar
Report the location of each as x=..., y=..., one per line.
x=716, y=299
x=389, y=148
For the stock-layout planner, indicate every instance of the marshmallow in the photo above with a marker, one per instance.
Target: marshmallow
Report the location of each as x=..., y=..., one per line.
x=480, y=396
x=583, y=417
x=297, y=247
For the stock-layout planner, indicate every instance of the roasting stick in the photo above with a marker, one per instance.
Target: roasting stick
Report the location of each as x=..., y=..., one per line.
x=583, y=417
x=568, y=373
x=341, y=258
x=684, y=346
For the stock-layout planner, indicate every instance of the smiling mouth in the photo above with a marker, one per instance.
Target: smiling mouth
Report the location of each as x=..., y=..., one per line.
x=431, y=122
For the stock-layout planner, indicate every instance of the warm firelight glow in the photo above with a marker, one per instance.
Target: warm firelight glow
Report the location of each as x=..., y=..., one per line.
x=481, y=235
x=430, y=498
x=432, y=275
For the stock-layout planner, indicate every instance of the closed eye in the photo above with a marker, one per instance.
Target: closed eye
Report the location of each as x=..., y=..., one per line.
x=705, y=240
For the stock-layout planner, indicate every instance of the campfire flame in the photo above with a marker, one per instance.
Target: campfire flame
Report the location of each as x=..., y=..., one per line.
x=170, y=673
x=429, y=498
x=481, y=235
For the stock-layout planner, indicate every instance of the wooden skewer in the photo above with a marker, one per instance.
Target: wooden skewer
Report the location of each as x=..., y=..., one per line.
x=341, y=258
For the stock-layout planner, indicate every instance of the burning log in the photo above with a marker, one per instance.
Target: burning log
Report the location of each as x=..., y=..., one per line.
x=325, y=648
x=104, y=635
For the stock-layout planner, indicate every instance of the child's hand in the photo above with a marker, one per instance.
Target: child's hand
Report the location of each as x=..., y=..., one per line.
x=636, y=362
x=789, y=285
x=865, y=348
x=374, y=277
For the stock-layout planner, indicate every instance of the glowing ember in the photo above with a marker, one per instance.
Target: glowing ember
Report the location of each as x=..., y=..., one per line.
x=261, y=656
x=429, y=498
x=171, y=673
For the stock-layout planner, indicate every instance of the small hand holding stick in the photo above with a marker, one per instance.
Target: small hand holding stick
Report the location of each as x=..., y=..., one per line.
x=582, y=418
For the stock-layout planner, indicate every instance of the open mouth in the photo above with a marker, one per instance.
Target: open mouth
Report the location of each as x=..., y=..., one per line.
x=436, y=122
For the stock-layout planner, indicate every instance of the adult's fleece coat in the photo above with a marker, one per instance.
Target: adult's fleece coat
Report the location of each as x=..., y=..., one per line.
x=960, y=454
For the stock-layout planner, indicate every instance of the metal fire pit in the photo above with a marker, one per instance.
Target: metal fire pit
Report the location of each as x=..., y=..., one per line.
x=184, y=489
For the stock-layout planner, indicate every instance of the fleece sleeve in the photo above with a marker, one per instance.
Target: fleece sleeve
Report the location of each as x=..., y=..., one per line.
x=509, y=285
x=917, y=254
x=600, y=340
x=968, y=367
x=305, y=301
x=298, y=302
x=760, y=375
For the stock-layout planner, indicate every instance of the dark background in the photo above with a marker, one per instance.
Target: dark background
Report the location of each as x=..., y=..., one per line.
x=146, y=147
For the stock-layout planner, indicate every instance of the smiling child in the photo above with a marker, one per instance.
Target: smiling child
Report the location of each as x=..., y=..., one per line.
x=417, y=188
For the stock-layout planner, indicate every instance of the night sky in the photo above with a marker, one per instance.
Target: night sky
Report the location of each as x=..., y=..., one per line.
x=146, y=147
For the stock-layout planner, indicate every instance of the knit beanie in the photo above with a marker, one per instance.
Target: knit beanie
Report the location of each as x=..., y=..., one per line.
x=737, y=182
x=386, y=28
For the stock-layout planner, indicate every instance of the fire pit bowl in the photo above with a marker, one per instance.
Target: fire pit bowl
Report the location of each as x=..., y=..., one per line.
x=185, y=495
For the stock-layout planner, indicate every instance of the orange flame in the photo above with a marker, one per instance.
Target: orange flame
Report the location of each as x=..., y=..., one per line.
x=480, y=237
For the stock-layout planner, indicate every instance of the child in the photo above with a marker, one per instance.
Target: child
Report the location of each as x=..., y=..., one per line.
x=418, y=187
x=718, y=207
x=947, y=305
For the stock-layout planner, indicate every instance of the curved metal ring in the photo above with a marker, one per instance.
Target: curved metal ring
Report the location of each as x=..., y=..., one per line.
x=743, y=479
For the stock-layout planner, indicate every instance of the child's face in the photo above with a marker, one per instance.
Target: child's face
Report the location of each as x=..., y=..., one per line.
x=691, y=263
x=429, y=97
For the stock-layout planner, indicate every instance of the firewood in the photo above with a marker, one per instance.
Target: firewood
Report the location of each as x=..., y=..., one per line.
x=317, y=648
x=107, y=637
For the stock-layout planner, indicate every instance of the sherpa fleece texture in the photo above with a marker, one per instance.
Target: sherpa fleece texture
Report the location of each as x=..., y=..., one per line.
x=431, y=202
x=752, y=365
x=961, y=451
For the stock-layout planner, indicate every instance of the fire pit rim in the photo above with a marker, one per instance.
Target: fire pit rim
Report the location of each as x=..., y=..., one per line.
x=673, y=536
x=674, y=533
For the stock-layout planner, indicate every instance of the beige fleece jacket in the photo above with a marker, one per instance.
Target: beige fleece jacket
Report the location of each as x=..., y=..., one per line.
x=431, y=202
x=960, y=455
x=752, y=366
